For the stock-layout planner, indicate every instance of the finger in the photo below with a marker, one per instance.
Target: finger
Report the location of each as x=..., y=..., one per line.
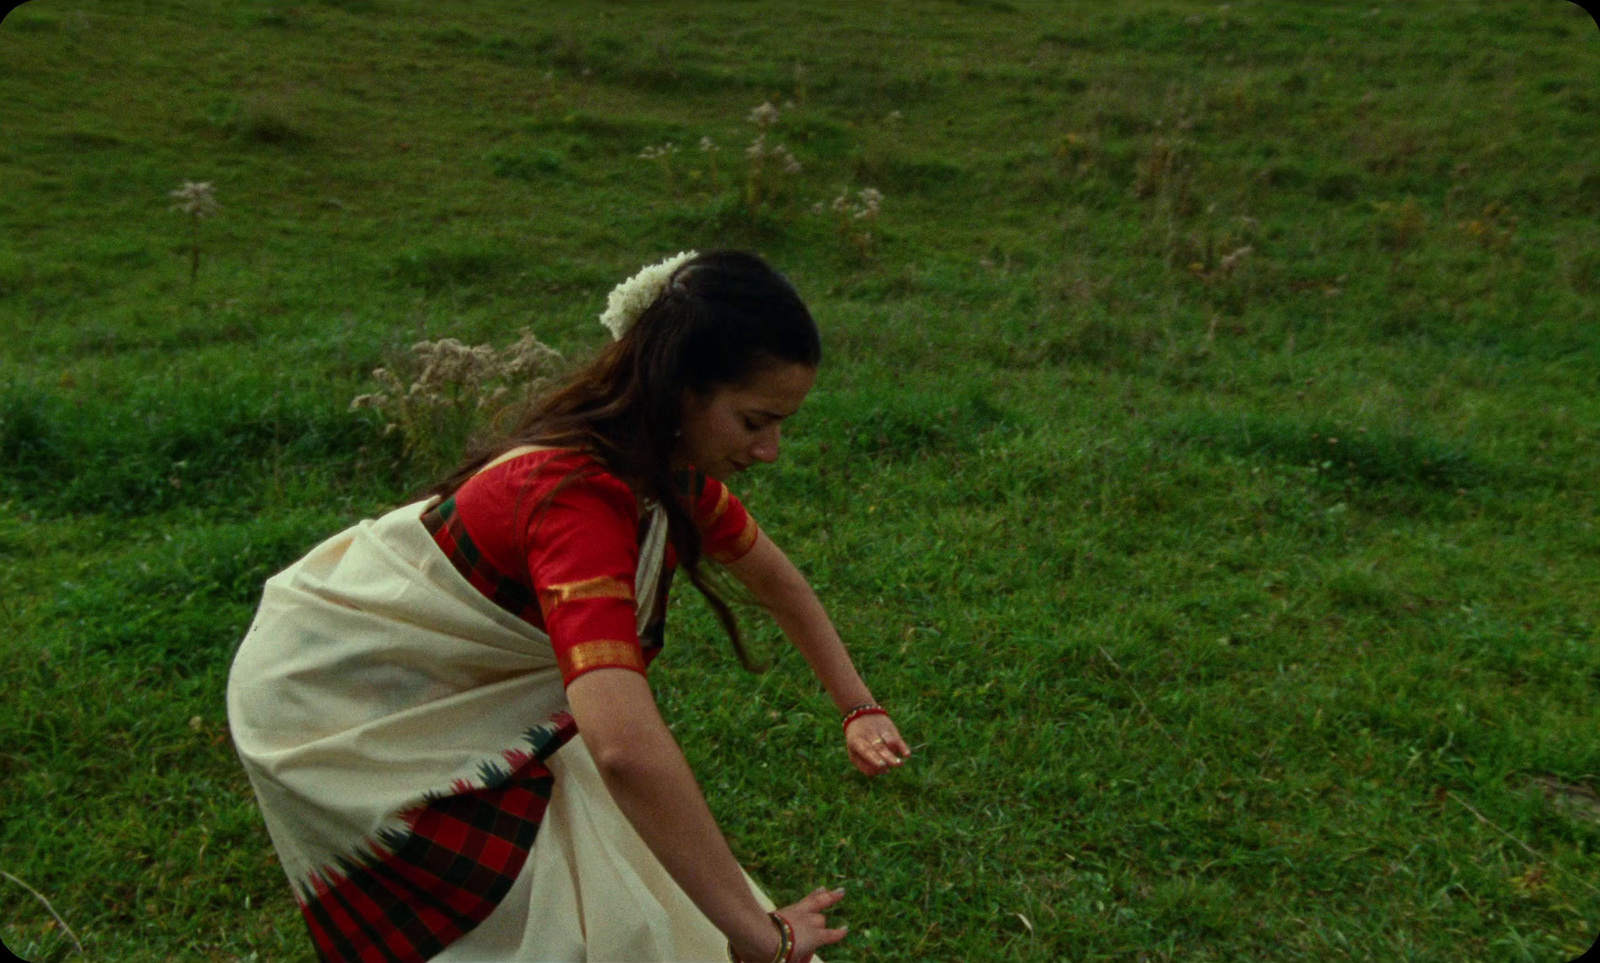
x=891, y=745
x=821, y=898
x=808, y=943
x=874, y=761
x=888, y=752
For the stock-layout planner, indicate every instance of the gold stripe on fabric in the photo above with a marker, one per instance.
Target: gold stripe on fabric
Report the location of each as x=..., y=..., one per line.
x=600, y=654
x=718, y=511
x=746, y=540
x=600, y=587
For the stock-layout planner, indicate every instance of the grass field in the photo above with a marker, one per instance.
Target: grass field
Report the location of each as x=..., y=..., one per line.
x=1203, y=466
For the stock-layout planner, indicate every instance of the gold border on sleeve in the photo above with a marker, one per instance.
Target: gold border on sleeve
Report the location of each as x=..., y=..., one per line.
x=747, y=540
x=719, y=509
x=600, y=654
x=600, y=587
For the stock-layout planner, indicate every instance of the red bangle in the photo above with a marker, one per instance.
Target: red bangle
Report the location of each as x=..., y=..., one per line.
x=865, y=709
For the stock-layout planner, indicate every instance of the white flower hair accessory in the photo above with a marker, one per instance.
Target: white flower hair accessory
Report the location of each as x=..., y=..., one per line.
x=629, y=299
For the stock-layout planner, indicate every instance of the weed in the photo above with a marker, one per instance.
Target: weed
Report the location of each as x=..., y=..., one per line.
x=438, y=396
x=768, y=165
x=198, y=202
x=857, y=220
x=663, y=155
x=709, y=148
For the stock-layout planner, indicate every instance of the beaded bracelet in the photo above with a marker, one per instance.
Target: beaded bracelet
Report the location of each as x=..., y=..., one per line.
x=864, y=709
x=786, y=942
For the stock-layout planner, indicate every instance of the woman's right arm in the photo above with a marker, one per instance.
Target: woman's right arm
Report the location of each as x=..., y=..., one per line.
x=648, y=776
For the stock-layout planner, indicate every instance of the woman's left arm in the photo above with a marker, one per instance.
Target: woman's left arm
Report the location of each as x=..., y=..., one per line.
x=874, y=743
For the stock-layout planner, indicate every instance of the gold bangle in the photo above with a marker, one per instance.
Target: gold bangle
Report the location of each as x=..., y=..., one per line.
x=786, y=942
x=785, y=939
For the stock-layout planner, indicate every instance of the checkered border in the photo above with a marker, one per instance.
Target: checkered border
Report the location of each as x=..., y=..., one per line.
x=415, y=891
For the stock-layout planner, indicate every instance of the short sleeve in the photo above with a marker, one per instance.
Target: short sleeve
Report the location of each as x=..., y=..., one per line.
x=583, y=553
x=727, y=531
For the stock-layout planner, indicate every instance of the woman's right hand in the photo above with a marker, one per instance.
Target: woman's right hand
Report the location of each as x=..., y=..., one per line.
x=811, y=931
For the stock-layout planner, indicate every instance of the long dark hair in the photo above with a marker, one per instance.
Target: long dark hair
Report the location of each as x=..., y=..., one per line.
x=724, y=317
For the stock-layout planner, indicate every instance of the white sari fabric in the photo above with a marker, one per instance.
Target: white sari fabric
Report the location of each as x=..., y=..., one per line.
x=421, y=778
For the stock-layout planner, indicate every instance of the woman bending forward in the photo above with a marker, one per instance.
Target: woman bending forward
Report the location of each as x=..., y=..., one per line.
x=444, y=711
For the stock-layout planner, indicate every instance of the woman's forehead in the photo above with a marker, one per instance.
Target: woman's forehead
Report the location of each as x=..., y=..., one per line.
x=778, y=389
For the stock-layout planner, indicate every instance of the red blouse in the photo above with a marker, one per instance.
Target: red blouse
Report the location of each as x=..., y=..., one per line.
x=566, y=561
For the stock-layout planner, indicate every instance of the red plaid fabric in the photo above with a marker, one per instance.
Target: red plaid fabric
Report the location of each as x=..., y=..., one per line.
x=513, y=592
x=416, y=891
x=514, y=595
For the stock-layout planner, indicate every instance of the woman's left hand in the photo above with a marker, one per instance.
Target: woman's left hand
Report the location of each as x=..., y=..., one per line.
x=875, y=745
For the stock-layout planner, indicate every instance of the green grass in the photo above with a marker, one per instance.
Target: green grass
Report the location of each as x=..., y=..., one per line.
x=1241, y=605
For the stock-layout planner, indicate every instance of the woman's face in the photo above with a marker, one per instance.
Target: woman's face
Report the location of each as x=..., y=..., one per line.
x=734, y=426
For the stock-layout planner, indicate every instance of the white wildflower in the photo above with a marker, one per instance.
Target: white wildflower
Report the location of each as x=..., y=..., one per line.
x=707, y=145
x=786, y=160
x=870, y=199
x=194, y=198
x=763, y=116
x=629, y=299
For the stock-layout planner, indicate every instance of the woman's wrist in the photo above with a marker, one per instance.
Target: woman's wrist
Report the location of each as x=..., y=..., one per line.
x=864, y=709
x=774, y=944
x=847, y=697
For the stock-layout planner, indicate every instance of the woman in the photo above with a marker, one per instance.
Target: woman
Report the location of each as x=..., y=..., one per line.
x=444, y=712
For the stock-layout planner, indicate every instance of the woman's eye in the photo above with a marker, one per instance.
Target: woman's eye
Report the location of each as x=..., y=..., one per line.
x=751, y=425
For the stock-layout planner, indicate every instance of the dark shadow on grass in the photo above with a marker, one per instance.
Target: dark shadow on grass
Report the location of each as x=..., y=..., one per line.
x=1341, y=452
x=210, y=448
x=902, y=426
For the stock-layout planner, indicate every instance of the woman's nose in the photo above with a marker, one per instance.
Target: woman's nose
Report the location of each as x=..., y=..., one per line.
x=766, y=447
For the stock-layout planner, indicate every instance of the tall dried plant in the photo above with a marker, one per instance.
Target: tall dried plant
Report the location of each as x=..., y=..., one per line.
x=442, y=392
x=769, y=163
x=857, y=220
x=199, y=202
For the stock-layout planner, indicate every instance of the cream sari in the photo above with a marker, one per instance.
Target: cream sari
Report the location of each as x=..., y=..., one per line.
x=376, y=694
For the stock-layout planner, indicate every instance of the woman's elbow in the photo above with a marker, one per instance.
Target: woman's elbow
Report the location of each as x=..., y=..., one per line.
x=626, y=758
